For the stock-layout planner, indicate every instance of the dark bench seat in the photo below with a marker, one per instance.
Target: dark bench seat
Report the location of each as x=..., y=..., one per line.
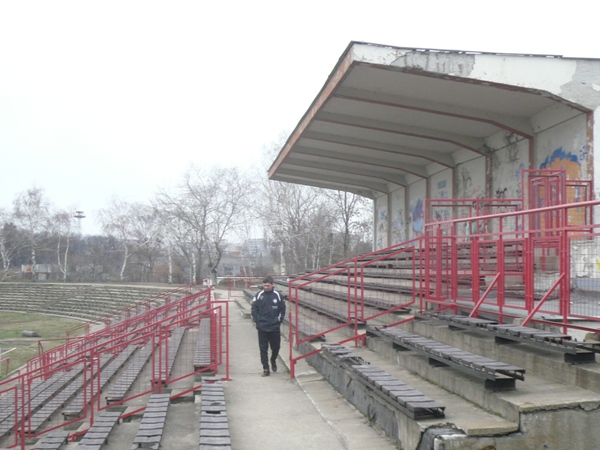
x=53, y=440
x=76, y=407
x=202, y=353
x=405, y=398
x=162, y=374
x=98, y=433
x=214, y=424
x=497, y=374
x=153, y=421
x=133, y=370
x=574, y=351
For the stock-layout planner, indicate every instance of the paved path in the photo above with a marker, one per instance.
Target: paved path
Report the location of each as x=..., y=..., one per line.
x=278, y=412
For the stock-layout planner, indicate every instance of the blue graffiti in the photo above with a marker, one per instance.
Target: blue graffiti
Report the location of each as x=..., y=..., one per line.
x=558, y=154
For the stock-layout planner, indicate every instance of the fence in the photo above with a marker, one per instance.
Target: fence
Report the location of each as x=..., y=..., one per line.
x=540, y=266
x=140, y=354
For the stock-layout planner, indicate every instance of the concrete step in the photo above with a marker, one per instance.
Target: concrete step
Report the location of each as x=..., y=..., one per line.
x=537, y=361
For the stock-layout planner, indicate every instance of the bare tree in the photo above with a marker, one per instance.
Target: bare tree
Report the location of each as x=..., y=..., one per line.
x=31, y=213
x=62, y=227
x=351, y=211
x=228, y=189
x=185, y=219
x=10, y=241
x=208, y=207
x=309, y=225
x=290, y=211
x=117, y=220
x=148, y=237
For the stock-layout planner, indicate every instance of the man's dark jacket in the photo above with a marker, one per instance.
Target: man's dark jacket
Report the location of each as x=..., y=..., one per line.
x=268, y=310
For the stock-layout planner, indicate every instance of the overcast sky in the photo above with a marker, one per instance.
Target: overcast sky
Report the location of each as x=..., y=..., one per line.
x=105, y=98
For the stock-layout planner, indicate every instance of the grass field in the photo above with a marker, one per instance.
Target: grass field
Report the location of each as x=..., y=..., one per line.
x=21, y=349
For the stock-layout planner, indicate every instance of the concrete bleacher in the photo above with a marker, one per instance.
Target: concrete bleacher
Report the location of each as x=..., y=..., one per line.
x=98, y=434
x=127, y=379
x=82, y=301
x=202, y=351
x=405, y=398
x=475, y=415
x=509, y=409
x=214, y=425
x=162, y=374
x=153, y=421
x=497, y=375
x=76, y=407
x=182, y=428
x=53, y=440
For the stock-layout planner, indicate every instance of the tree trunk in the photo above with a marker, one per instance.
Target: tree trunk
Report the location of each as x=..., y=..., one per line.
x=122, y=274
x=33, y=264
x=193, y=273
x=170, y=254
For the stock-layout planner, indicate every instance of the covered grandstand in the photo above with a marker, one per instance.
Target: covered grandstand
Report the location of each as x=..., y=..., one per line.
x=486, y=221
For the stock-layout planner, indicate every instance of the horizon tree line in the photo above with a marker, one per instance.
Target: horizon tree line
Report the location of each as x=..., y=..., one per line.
x=182, y=235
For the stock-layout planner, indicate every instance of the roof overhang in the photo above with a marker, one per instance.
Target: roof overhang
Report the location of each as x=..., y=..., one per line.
x=387, y=117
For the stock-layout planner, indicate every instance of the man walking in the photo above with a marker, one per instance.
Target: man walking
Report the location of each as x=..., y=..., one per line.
x=268, y=311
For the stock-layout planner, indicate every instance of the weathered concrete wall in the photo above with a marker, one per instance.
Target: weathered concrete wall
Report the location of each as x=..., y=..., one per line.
x=382, y=222
x=510, y=155
x=398, y=216
x=567, y=78
x=441, y=186
x=416, y=208
x=564, y=146
x=552, y=430
x=471, y=179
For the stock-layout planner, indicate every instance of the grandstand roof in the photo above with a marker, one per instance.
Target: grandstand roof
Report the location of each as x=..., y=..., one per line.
x=389, y=116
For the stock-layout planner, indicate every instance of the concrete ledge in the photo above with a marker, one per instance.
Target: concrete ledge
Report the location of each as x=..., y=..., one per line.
x=244, y=309
x=469, y=421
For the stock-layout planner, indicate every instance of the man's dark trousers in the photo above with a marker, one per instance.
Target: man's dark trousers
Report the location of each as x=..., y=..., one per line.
x=266, y=339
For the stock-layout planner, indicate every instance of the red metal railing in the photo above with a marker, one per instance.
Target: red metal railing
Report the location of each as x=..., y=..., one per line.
x=531, y=279
x=537, y=265
x=337, y=296
x=82, y=359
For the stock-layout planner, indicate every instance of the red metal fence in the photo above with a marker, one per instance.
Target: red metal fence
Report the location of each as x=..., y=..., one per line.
x=156, y=342
x=537, y=265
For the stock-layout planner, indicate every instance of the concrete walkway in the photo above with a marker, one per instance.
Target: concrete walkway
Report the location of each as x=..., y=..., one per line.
x=278, y=412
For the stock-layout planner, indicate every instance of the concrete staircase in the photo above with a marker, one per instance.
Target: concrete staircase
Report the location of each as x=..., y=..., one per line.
x=557, y=406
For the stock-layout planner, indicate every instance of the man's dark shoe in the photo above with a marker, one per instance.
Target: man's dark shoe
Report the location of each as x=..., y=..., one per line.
x=266, y=373
x=274, y=366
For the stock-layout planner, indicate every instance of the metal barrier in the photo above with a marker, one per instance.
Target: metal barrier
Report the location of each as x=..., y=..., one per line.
x=78, y=371
x=348, y=294
x=537, y=266
x=548, y=274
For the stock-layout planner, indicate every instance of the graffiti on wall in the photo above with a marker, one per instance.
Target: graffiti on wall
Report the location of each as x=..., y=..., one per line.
x=416, y=217
x=471, y=185
x=398, y=228
x=562, y=160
